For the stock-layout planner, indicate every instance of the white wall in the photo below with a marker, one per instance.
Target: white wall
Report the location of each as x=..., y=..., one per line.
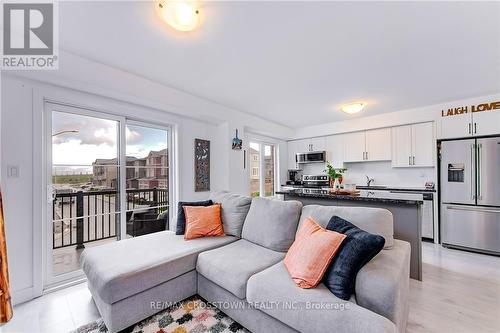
x=109, y=89
x=396, y=118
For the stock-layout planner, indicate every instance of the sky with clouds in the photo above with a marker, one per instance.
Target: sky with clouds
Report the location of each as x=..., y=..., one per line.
x=97, y=138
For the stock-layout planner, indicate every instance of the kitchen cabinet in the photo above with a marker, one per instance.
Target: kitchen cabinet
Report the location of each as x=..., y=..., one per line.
x=335, y=150
x=378, y=145
x=354, y=147
x=365, y=146
x=457, y=126
x=486, y=122
x=469, y=124
x=292, y=148
x=318, y=144
x=413, y=145
x=304, y=146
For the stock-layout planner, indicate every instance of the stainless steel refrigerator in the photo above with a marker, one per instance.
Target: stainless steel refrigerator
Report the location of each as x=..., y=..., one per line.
x=470, y=194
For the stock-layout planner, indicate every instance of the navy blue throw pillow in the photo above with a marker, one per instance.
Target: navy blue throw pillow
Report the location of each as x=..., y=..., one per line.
x=181, y=217
x=358, y=248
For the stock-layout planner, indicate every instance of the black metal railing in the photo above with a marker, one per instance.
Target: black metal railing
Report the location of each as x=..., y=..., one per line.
x=84, y=217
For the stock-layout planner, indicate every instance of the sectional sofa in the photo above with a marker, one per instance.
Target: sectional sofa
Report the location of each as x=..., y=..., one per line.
x=243, y=272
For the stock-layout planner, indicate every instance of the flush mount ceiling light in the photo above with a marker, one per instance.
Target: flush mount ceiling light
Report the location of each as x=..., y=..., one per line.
x=181, y=15
x=353, y=107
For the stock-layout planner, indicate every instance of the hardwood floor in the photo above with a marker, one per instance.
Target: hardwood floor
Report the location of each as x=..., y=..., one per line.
x=460, y=292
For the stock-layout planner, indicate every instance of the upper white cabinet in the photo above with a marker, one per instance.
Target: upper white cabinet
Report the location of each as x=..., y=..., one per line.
x=335, y=150
x=354, y=147
x=455, y=126
x=469, y=124
x=402, y=146
x=423, y=145
x=413, y=145
x=486, y=122
x=378, y=145
x=292, y=150
x=303, y=146
x=372, y=145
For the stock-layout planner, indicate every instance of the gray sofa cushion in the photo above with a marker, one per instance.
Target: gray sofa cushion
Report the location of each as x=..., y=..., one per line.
x=232, y=265
x=272, y=223
x=120, y=269
x=383, y=284
x=234, y=211
x=310, y=310
x=376, y=221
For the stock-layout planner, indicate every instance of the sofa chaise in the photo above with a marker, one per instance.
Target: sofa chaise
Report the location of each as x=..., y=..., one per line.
x=130, y=278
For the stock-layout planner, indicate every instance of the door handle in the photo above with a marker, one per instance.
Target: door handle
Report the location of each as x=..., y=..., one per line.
x=475, y=128
x=473, y=208
x=478, y=171
x=472, y=192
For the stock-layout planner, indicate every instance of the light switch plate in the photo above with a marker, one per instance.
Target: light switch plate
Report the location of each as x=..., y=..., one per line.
x=13, y=171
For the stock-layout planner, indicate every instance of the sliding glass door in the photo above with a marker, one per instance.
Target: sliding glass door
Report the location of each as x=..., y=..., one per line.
x=262, y=166
x=107, y=179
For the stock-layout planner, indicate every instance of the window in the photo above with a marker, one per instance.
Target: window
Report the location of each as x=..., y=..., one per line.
x=262, y=169
x=110, y=180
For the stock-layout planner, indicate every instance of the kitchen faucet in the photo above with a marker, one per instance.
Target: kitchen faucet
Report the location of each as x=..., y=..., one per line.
x=369, y=180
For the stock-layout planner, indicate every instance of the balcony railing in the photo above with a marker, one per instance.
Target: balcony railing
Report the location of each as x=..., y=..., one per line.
x=84, y=217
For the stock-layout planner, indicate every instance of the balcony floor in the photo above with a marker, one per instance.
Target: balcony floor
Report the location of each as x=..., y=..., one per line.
x=66, y=259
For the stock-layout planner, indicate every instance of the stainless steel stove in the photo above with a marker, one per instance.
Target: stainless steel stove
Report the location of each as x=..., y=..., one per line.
x=315, y=181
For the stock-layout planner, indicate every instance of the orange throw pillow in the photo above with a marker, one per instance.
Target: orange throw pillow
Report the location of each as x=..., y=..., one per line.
x=311, y=253
x=203, y=221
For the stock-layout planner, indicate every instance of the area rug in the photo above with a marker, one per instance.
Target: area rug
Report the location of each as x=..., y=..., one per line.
x=193, y=315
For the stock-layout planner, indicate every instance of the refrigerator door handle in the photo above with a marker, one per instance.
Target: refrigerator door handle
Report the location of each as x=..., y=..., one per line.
x=474, y=208
x=479, y=165
x=472, y=173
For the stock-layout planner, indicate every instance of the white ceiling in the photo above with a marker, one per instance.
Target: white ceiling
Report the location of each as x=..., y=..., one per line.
x=295, y=62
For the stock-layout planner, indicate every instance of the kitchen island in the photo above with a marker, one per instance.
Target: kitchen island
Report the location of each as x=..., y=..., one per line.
x=405, y=208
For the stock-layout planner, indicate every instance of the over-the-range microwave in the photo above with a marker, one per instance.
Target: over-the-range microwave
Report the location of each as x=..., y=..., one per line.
x=311, y=157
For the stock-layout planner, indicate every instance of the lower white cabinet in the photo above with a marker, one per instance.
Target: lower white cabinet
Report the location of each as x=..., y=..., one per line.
x=413, y=145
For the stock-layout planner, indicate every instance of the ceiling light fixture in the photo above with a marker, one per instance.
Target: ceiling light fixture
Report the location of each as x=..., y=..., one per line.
x=181, y=15
x=353, y=107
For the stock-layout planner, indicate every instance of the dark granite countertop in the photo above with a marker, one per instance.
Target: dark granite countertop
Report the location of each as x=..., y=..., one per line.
x=383, y=188
x=397, y=188
x=364, y=195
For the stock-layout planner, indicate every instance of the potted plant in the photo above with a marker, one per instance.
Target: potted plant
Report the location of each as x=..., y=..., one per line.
x=336, y=175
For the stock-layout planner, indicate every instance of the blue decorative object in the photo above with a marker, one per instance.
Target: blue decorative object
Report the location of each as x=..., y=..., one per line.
x=237, y=142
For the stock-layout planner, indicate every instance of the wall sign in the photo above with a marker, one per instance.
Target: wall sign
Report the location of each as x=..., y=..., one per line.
x=472, y=108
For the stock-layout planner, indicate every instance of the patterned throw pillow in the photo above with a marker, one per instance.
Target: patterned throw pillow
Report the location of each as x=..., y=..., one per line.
x=181, y=218
x=311, y=253
x=357, y=249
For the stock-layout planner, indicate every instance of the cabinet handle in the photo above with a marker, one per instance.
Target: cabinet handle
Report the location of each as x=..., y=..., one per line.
x=470, y=128
x=367, y=156
x=475, y=128
x=409, y=160
x=413, y=160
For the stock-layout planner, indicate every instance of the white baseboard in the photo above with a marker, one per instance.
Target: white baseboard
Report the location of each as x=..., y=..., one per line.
x=21, y=296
